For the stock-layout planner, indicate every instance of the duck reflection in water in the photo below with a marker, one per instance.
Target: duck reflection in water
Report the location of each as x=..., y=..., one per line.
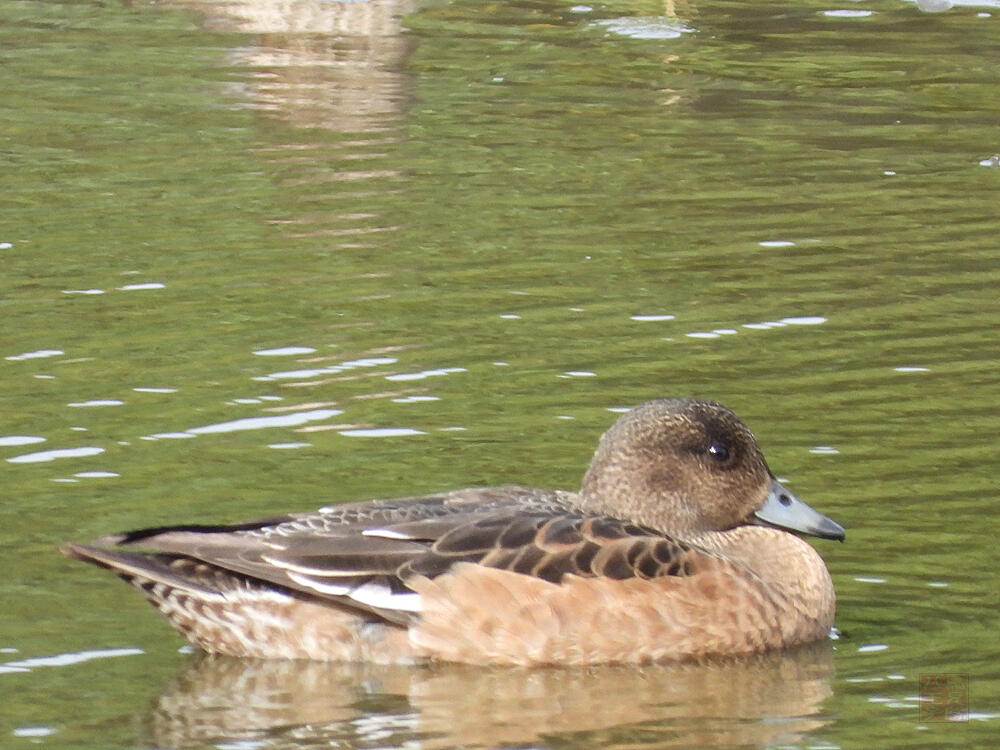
x=753, y=701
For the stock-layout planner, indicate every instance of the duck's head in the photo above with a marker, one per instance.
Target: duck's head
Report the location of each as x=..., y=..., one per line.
x=689, y=466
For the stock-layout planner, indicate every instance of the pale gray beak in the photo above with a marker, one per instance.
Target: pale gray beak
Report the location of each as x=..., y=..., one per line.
x=785, y=511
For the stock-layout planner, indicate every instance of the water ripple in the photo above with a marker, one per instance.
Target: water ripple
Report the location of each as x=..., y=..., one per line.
x=258, y=423
x=40, y=354
x=67, y=659
x=20, y=440
x=43, y=456
x=382, y=432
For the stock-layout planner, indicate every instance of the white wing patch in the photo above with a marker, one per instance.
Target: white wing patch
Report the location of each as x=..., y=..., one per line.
x=294, y=568
x=386, y=534
x=333, y=589
x=381, y=596
x=370, y=593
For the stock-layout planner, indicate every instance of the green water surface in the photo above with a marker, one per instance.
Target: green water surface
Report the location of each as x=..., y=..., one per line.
x=484, y=227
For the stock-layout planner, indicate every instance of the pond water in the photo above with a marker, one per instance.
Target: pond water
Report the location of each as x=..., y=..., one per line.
x=264, y=256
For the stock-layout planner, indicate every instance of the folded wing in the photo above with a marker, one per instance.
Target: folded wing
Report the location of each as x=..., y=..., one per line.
x=362, y=556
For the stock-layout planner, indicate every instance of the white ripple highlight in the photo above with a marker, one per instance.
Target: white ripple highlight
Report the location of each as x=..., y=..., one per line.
x=43, y=456
x=68, y=659
x=425, y=374
x=33, y=731
x=330, y=370
x=848, y=13
x=285, y=351
x=795, y=320
x=806, y=320
x=40, y=354
x=259, y=423
x=141, y=287
x=824, y=450
x=9, y=440
x=378, y=432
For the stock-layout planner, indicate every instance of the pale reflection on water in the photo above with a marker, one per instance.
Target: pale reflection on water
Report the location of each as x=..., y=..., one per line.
x=331, y=65
x=754, y=701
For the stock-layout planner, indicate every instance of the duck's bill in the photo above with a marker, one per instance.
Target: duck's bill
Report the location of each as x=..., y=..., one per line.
x=785, y=511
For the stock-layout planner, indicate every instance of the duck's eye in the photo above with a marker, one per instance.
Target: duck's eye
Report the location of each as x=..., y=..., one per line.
x=719, y=452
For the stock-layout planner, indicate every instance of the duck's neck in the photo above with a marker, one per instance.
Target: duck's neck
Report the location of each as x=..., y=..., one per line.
x=784, y=561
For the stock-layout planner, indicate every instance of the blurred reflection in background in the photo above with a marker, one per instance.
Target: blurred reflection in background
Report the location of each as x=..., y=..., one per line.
x=319, y=63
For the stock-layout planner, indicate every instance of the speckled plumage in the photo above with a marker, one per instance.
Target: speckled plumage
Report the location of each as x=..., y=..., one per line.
x=660, y=556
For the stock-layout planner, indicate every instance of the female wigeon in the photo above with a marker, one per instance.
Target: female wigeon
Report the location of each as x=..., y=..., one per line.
x=679, y=544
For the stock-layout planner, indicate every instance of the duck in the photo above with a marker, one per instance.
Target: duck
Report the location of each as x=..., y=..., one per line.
x=680, y=544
